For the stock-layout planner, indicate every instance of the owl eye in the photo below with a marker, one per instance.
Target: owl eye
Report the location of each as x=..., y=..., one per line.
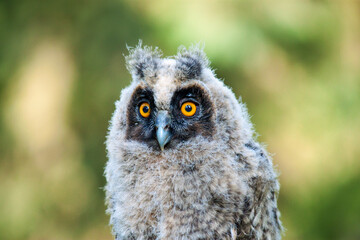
x=144, y=110
x=188, y=109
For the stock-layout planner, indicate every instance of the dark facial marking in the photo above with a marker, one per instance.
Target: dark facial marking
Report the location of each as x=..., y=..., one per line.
x=139, y=128
x=182, y=127
x=201, y=122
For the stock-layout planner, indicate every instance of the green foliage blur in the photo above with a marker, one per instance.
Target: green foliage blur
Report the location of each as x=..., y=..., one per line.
x=296, y=64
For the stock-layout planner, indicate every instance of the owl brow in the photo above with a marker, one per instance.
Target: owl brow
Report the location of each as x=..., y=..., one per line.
x=193, y=91
x=186, y=99
x=142, y=94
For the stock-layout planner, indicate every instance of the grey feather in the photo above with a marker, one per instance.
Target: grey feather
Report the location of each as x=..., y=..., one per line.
x=218, y=187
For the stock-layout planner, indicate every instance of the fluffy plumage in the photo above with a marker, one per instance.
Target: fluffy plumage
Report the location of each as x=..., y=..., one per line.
x=211, y=181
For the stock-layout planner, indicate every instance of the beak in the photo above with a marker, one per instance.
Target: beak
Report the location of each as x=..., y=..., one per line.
x=163, y=134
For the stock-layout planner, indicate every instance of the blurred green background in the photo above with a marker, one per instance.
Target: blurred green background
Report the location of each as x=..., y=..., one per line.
x=296, y=63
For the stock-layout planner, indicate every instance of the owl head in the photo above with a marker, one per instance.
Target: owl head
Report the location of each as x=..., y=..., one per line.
x=176, y=103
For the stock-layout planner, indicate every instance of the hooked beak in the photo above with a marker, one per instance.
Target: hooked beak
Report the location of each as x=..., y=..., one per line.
x=163, y=134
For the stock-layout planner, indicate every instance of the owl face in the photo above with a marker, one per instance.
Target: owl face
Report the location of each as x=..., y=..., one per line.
x=174, y=109
x=170, y=109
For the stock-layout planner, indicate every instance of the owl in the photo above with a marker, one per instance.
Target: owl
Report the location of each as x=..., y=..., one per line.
x=183, y=161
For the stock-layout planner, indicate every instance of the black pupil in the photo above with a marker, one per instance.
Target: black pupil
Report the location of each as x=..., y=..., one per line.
x=145, y=109
x=188, y=108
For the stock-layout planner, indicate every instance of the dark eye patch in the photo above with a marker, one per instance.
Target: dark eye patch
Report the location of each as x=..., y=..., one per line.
x=189, y=94
x=138, y=127
x=140, y=96
x=201, y=122
x=182, y=127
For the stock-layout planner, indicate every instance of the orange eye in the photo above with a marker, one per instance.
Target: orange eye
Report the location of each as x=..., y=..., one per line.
x=188, y=109
x=145, y=110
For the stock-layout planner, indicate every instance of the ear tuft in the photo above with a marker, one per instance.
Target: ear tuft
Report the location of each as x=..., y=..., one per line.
x=191, y=61
x=142, y=61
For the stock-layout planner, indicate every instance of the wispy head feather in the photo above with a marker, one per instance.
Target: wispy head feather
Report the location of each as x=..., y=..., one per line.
x=142, y=61
x=191, y=61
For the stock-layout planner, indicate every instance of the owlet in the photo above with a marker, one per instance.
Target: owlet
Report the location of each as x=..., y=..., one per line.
x=183, y=159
